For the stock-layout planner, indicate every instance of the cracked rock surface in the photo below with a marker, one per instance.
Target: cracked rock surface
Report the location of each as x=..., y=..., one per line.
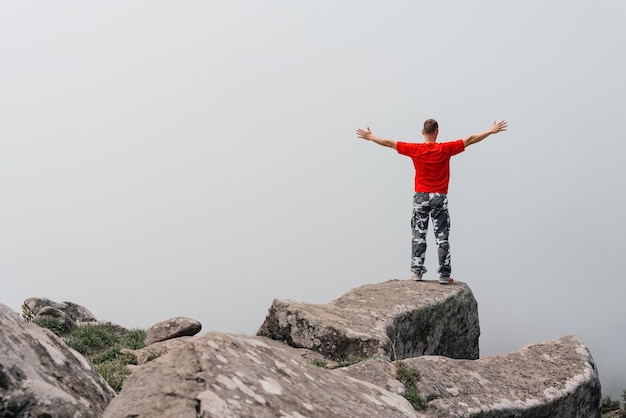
x=397, y=318
x=228, y=376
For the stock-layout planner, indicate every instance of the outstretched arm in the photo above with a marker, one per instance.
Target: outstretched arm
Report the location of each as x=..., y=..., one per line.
x=495, y=128
x=367, y=135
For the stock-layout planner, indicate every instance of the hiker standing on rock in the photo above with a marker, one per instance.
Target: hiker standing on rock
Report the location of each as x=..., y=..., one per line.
x=432, y=175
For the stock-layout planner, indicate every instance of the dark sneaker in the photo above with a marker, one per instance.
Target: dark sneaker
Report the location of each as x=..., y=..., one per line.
x=445, y=280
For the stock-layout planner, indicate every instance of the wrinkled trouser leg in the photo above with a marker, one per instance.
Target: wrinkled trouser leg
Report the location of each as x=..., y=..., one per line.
x=441, y=225
x=435, y=206
x=419, y=227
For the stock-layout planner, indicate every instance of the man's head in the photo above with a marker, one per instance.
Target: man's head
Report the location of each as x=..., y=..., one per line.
x=430, y=131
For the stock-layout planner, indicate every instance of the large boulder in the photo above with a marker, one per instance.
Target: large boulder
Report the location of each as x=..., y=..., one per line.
x=77, y=313
x=230, y=376
x=552, y=379
x=41, y=377
x=397, y=318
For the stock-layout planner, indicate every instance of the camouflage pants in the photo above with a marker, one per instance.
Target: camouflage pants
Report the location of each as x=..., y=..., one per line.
x=435, y=206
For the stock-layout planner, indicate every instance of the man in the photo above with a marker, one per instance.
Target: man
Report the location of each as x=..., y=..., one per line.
x=432, y=175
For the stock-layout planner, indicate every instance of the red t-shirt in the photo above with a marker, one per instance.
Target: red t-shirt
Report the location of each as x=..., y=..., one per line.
x=432, y=163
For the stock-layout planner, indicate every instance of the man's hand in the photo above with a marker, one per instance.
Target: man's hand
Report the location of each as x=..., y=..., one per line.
x=495, y=128
x=364, y=134
x=367, y=135
x=498, y=127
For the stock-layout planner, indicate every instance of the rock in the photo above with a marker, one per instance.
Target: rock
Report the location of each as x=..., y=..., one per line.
x=172, y=328
x=146, y=354
x=77, y=313
x=32, y=306
x=426, y=326
x=553, y=379
x=53, y=312
x=379, y=372
x=229, y=376
x=64, y=322
x=41, y=377
x=397, y=318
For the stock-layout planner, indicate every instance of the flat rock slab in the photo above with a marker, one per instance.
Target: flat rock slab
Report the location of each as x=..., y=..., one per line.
x=552, y=379
x=229, y=376
x=397, y=318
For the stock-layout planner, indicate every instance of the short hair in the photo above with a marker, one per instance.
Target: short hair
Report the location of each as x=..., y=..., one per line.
x=430, y=126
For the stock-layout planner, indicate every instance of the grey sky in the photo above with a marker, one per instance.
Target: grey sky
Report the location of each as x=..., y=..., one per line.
x=199, y=159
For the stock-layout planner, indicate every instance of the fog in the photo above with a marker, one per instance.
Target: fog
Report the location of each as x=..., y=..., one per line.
x=199, y=159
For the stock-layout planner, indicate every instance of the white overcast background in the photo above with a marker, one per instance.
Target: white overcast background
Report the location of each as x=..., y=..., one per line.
x=199, y=158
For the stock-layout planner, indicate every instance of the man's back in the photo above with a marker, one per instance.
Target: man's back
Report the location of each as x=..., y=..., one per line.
x=432, y=163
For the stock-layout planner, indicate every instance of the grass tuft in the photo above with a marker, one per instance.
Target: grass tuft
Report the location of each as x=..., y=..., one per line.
x=409, y=376
x=348, y=362
x=102, y=347
x=135, y=339
x=91, y=340
x=320, y=363
x=114, y=372
x=53, y=325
